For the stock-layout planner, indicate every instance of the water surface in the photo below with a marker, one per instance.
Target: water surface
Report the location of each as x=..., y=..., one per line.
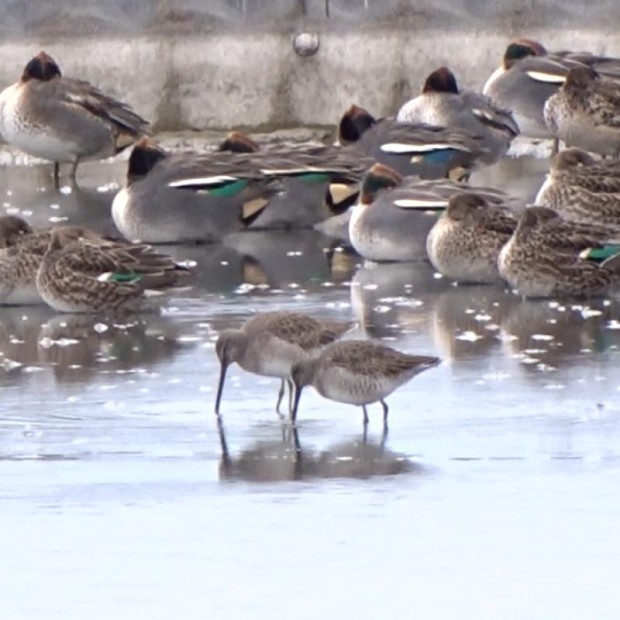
x=492, y=496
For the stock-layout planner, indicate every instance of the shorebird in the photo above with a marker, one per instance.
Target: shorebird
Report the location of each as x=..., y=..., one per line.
x=64, y=119
x=357, y=372
x=270, y=343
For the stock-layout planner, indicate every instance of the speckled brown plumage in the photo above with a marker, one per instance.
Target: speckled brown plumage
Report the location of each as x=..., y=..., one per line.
x=270, y=343
x=86, y=275
x=585, y=112
x=358, y=372
x=542, y=259
x=464, y=243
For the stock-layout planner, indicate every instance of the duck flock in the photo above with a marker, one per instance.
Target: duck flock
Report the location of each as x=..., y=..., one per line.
x=395, y=189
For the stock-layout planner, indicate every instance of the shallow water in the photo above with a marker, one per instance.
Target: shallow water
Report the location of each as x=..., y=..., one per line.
x=493, y=496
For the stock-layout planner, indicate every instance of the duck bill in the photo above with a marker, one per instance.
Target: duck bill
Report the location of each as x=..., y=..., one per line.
x=220, y=387
x=296, y=397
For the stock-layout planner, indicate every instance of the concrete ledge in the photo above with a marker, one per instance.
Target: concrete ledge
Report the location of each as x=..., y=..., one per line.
x=233, y=65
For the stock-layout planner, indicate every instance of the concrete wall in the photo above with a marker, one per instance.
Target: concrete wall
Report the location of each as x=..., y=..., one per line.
x=223, y=63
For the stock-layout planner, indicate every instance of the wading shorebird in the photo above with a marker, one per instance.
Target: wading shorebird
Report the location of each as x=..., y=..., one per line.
x=270, y=343
x=357, y=372
x=63, y=119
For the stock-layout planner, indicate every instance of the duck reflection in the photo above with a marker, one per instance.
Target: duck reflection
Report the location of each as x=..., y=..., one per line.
x=32, y=193
x=392, y=298
x=546, y=335
x=78, y=348
x=286, y=459
x=19, y=341
x=280, y=259
x=466, y=319
x=521, y=177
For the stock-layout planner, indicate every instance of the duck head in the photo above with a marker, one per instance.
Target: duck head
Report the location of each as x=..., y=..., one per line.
x=572, y=158
x=353, y=124
x=377, y=178
x=12, y=228
x=42, y=67
x=144, y=156
x=464, y=206
x=522, y=48
x=441, y=80
x=579, y=78
x=237, y=142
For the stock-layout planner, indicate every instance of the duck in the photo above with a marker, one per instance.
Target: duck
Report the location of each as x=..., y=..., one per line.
x=548, y=257
x=529, y=75
x=317, y=182
x=22, y=250
x=21, y=253
x=393, y=216
x=584, y=112
x=65, y=120
x=442, y=104
x=82, y=276
x=187, y=197
x=465, y=241
x=426, y=151
x=582, y=188
x=190, y=197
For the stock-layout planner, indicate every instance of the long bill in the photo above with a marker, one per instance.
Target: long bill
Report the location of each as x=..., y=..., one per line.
x=220, y=387
x=295, y=405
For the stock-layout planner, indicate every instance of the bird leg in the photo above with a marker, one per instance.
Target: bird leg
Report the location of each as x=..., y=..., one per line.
x=385, y=414
x=365, y=416
x=280, y=397
x=56, y=175
x=291, y=387
x=74, y=166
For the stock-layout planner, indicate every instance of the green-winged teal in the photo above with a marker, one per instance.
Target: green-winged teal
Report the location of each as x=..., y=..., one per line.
x=65, y=120
x=585, y=112
x=550, y=257
x=442, y=104
x=582, y=189
x=411, y=149
x=394, y=216
x=465, y=242
x=101, y=276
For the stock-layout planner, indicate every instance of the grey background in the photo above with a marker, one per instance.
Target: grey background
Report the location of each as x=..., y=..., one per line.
x=187, y=64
